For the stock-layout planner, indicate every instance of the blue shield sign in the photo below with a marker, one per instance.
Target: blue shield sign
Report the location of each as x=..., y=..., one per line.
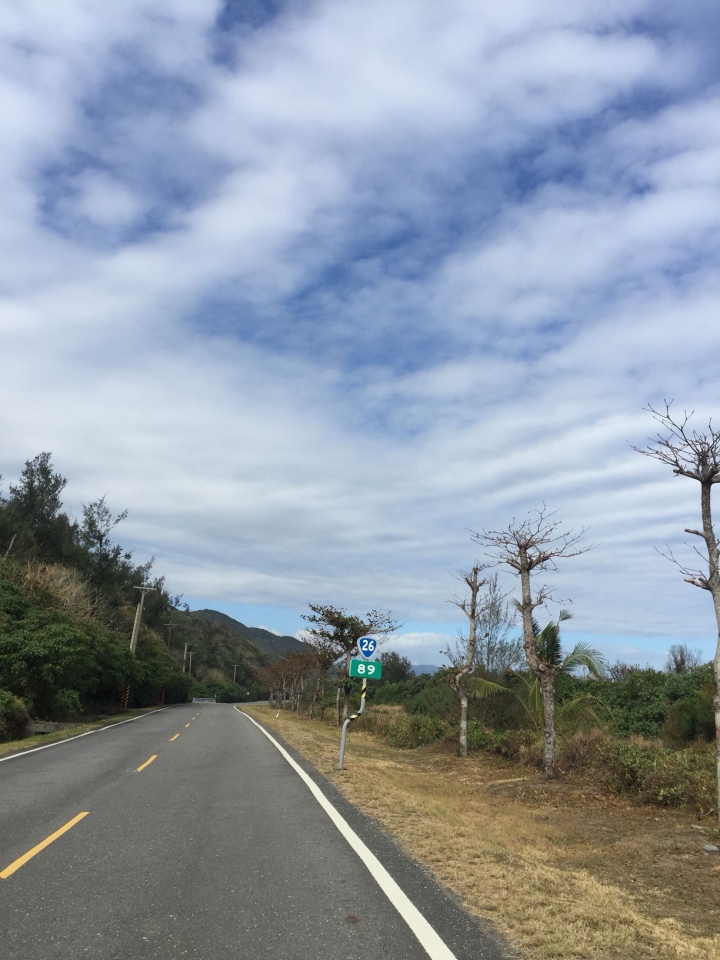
x=366, y=647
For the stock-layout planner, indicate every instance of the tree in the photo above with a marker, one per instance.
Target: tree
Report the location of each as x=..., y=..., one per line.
x=98, y=523
x=33, y=512
x=549, y=650
x=464, y=656
x=343, y=630
x=326, y=652
x=496, y=651
x=681, y=659
x=696, y=456
x=528, y=547
x=395, y=668
x=620, y=671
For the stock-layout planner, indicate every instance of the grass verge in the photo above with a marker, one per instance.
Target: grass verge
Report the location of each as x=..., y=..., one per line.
x=40, y=739
x=564, y=870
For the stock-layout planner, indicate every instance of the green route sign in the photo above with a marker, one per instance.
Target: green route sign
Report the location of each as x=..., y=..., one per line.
x=367, y=669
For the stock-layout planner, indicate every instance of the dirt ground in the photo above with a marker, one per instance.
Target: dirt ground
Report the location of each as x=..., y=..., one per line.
x=563, y=870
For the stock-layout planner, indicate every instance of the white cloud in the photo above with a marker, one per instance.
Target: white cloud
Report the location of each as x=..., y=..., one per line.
x=406, y=270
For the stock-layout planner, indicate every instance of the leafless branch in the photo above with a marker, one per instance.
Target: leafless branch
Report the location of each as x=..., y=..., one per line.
x=541, y=539
x=689, y=453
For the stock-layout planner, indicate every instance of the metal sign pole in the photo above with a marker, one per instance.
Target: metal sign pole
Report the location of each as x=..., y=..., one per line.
x=347, y=724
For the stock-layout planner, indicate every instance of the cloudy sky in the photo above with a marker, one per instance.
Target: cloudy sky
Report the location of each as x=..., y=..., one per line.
x=313, y=288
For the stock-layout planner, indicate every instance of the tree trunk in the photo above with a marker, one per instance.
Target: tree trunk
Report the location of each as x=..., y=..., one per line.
x=337, y=707
x=547, y=686
x=714, y=587
x=463, y=724
x=316, y=695
x=543, y=673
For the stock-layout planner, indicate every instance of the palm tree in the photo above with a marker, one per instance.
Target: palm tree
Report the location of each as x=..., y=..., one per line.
x=549, y=651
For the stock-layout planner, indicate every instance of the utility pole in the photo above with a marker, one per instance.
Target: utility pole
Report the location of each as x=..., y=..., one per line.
x=190, y=664
x=125, y=696
x=169, y=626
x=138, y=617
x=187, y=645
x=235, y=666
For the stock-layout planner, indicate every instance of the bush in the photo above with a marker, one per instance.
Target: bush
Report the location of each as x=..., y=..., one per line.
x=13, y=717
x=646, y=769
x=644, y=702
x=414, y=731
x=507, y=743
x=667, y=778
x=692, y=718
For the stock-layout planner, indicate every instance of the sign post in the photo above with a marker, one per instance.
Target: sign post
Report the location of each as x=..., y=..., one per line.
x=367, y=669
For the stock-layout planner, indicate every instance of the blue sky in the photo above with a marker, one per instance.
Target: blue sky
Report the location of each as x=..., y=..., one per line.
x=314, y=288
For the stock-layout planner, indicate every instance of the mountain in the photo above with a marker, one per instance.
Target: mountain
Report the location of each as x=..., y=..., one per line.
x=418, y=668
x=267, y=642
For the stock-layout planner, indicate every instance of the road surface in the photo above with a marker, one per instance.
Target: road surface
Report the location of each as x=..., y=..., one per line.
x=217, y=847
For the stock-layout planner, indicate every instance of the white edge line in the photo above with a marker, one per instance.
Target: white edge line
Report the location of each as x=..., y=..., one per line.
x=426, y=935
x=59, y=743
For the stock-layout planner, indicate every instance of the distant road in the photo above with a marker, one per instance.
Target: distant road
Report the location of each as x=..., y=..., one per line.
x=200, y=840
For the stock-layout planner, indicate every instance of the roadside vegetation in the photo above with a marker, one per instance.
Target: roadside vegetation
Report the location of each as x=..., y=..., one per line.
x=67, y=606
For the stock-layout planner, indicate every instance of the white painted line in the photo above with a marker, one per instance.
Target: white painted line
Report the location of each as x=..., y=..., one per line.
x=428, y=939
x=59, y=743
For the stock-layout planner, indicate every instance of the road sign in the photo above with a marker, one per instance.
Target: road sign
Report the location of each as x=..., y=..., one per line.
x=366, y=647
x=367, y=669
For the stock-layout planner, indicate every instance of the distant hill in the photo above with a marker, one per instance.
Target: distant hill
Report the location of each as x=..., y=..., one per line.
x=418, y=668
x=267, y=642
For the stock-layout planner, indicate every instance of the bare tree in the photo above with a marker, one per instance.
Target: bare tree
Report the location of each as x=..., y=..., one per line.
x=681, y=659
x=527, y=547
x=620, y=671
x=463, y=657
x=497, y=651
x=326, y=651
x=697, y=456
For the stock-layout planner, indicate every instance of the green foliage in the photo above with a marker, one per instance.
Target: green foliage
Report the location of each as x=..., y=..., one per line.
x=53, y=660
x=657, y=775
x=397, y=692
x=642, y=702
x=13, y=717
x=691, y=718
x=395, y=668
x=67, y=604
x=506, y=743
x=435, y=699
x=414, y=731
x=226, y=692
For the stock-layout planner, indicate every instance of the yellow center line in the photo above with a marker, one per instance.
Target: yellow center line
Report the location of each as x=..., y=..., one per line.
x=174, y=738
x=16, y=864
x=143, y=765
x=187, y=725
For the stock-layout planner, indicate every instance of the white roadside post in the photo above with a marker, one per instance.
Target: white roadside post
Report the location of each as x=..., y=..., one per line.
x=367, y=669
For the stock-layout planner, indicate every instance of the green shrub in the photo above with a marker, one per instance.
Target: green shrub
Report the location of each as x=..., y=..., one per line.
x=414, y=731
x=507, y=743
x=13, y=717
x=643, y=702
x=667, y=778
x=645, y=769
x=692, y=718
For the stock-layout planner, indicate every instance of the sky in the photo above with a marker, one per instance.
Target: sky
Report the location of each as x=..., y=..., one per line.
x=316, y=289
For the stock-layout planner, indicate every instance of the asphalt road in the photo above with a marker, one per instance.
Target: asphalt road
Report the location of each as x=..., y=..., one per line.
x=217, y=848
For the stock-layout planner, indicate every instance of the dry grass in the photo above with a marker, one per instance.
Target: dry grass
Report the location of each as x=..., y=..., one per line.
x=562, y=870
x=67, y=589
